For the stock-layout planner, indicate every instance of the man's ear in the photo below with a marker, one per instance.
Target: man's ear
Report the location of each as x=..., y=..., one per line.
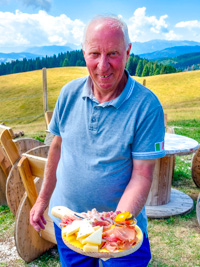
x=128, y=51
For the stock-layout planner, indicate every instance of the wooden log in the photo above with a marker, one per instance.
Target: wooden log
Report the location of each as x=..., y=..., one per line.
x=161, y=186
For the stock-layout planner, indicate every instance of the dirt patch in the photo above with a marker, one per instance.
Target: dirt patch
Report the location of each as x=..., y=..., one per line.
x=8, y=253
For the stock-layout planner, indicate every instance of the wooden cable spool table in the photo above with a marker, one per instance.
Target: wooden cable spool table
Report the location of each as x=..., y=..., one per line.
x=163, y=201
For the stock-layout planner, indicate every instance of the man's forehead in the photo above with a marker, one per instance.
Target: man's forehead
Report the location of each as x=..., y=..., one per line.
x=103, y=28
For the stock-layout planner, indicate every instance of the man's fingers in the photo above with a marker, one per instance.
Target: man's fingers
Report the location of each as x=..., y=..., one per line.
x=37, y=221
x=43, y=220
x=41, y=225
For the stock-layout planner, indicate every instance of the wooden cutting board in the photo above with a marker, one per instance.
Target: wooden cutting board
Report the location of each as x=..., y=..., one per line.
x=75, y=245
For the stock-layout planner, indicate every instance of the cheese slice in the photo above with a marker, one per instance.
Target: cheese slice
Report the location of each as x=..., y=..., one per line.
x=72, y=228
x=90, y=248
x=81, y=239
x=95, y=238
x=85, y=229
x=96, y=227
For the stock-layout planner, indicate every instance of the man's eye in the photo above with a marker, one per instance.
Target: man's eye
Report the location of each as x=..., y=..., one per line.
x=113, y=53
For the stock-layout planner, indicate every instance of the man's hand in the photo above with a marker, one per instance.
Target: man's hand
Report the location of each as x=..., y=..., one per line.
x=37, y=219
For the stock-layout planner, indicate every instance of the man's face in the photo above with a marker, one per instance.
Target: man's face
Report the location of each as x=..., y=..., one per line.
x=106, y=56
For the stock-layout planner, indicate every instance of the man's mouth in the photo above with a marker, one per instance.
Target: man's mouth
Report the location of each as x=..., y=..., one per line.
x=105, y=76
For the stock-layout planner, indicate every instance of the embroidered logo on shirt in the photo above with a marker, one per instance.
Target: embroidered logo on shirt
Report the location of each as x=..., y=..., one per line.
x=159, y=146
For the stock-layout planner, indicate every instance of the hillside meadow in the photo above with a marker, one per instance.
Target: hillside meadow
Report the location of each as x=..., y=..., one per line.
x=21, y=95
x=174, y=241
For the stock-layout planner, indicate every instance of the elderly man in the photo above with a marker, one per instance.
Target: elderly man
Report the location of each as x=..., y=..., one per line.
x=108, y=129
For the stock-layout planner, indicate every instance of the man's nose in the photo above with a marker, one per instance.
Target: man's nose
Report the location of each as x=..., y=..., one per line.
x=103, y=63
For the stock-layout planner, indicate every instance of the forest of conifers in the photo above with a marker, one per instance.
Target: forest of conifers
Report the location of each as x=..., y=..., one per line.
x=135, y=65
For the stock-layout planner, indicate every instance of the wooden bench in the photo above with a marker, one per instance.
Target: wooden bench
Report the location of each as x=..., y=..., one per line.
x=29, y=243
x=5, y=167
x=13, y=149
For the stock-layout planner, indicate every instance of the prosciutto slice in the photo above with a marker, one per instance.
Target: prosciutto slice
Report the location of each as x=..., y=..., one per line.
x=123, y=237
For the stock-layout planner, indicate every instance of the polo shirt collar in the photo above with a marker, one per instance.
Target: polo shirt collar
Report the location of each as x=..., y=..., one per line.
x=118, y=101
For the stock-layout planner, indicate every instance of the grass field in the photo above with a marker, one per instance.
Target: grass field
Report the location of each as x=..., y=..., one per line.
x=22, y=96
x=174, y=241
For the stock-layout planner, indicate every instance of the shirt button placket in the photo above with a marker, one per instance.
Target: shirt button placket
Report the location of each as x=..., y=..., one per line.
x=94, y=119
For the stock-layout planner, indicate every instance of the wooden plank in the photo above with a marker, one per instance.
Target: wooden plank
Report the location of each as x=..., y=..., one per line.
x=9, y=146
x=44, y=78
x=48, y=116
x=37, y=164
x=27, y=179
x=3, y=127
x=4, y=162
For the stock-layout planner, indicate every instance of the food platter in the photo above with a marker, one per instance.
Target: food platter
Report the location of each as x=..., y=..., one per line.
x=74, y=244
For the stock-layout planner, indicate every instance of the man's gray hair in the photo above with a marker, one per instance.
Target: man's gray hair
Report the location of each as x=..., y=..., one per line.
x=116, y=22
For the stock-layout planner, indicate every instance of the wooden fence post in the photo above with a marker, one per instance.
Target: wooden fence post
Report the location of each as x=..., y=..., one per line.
x=144, y=82
x=45, y=100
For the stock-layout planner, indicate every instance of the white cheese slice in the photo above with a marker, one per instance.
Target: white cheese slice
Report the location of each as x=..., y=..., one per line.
x=72, y=228
x=90, y=248
x=85, y=229
x=95, y=238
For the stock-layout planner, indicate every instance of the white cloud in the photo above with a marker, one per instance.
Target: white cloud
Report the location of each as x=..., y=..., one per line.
x=22, y=29
x=190, y=30
x=171, y=35
x=144, y=28
x=188, y=24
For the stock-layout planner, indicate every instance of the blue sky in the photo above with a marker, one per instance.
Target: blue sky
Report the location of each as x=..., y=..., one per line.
x=25, y=23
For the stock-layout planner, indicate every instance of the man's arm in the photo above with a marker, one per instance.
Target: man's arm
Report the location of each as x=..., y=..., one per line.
x=137, y=190
x=36, y=214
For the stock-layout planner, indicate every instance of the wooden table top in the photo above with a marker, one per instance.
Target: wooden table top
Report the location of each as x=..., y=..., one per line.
x=176, y=144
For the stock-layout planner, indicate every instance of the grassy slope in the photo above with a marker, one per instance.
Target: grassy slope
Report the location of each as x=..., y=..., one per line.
x=22, y=97
x=178, y=93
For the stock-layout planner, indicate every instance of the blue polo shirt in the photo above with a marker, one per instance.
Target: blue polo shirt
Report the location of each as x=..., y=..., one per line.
x=99, y=142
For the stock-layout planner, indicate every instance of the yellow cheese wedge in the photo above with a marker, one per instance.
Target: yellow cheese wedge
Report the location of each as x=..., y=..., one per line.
x=90, y=248
x=95, y=238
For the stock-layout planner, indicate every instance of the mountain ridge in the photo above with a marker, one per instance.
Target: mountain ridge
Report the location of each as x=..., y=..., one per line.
x=138, y=48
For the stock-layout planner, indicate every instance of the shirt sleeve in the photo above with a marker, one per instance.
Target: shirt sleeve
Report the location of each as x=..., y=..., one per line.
x=148, y=141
